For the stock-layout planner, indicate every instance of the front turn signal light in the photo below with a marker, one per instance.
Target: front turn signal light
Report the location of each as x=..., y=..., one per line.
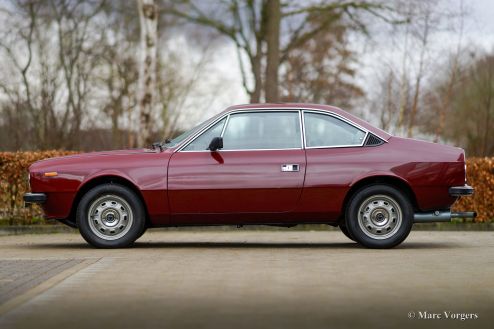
x=51, y=174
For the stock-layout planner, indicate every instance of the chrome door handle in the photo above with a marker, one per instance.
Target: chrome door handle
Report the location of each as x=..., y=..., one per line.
x=290, y=167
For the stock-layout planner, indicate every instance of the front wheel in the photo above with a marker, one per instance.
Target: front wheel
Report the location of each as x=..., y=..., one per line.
x=110, y=216
x=379, y=216
x=345, y=231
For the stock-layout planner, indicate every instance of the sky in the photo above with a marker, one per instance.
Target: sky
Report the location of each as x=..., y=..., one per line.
x=482, y=22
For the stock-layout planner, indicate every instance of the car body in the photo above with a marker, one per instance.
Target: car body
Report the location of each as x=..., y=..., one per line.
x=281, y=164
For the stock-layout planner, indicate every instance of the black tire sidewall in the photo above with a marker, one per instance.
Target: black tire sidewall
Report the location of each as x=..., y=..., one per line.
x=143, y=231
x=138, y=223
x=351, y=216
x=345, y=231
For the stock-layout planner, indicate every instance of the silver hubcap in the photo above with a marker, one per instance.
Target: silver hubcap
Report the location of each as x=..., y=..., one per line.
x=380, y=217
x=110, y=217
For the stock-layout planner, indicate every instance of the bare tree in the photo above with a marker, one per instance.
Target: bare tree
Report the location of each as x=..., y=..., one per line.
x=148, y=17
x=77, y=61
x=417, y=67
x=322, y=70
x=473, y=108
x=454, y=66
x=71, y=70
x=118, y=71
x=254, y=28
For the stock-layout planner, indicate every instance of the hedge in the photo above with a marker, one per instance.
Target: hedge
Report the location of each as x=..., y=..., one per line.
x=13, y=184
x=480, y=175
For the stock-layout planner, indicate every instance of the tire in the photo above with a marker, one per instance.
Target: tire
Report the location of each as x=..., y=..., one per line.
x=143, y=231
x=110, y=216
x=379, y=216
x=345, y=231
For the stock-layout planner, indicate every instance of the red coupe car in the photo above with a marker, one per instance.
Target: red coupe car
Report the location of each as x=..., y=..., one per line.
x=273, y=164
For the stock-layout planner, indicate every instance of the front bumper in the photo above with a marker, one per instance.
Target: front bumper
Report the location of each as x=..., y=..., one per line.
x=35, y=198
x=457, y=191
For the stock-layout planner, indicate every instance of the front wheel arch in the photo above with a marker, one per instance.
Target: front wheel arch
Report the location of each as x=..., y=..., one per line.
x=100, y=180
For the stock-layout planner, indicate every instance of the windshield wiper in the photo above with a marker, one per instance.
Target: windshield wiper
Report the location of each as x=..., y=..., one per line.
x=158, y=145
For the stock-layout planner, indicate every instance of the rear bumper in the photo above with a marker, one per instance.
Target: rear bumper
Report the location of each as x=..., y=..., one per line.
x=446, y=216
x=457, y=191
x=35, y=198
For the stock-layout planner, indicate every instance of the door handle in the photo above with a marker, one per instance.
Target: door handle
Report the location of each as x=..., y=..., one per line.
x=290, y=167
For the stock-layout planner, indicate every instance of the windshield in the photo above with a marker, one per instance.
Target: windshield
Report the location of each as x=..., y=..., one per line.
x=177, y=140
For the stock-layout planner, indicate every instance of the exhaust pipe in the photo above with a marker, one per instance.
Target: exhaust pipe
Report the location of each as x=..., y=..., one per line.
x=441, y=216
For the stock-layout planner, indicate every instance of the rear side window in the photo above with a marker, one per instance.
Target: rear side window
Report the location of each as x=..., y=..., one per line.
x=323, y=130
x=262, y=130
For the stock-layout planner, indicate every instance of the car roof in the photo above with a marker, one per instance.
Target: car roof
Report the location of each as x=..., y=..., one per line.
x=320, y=107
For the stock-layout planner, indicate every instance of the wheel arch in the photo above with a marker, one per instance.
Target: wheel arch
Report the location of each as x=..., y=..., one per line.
x=99, y=180
x=393, y=181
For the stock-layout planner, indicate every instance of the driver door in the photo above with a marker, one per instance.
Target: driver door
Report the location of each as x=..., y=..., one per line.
x=258, y=175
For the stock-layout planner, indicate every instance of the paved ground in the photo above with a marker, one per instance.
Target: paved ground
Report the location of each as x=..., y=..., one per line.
x=246, y=279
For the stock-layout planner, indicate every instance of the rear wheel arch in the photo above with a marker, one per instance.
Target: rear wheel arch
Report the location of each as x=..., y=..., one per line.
x=392, y=181
x=100, y=180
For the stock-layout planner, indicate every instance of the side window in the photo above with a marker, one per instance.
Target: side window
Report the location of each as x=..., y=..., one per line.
x=201, y=143
x=325, y=130
x=262, y=130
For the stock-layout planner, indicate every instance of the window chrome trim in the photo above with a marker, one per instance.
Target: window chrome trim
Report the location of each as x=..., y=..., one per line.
x=301, y=110
x=224, y=127
x=302, y=127
x=228, y=114
x=338, y=117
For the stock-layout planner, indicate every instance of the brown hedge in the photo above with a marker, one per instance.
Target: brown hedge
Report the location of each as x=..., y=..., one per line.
x=480, y=175
x=13, y=184
x=14, y=166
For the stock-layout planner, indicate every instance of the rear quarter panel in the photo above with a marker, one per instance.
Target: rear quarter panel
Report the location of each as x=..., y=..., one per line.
x=429, y=169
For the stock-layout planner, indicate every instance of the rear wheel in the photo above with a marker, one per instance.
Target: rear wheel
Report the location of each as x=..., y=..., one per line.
x=110, y=216
x=379, y=216
x=143, y=231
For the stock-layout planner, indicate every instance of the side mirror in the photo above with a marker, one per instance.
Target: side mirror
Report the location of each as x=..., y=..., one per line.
x=216, y=144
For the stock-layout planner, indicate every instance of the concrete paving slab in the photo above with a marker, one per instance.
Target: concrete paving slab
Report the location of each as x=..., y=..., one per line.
x=257, y=279
x=19, y=275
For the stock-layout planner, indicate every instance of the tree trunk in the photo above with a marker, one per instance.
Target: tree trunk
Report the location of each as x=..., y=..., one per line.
x=115, y=129
x=415, y=104
x=273, y=50
x=148, y=17
x=255, y=96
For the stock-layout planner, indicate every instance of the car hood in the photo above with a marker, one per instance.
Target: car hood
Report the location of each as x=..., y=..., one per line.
x=91, y=156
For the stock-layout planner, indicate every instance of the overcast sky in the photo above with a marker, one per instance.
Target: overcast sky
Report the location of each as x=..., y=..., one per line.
x=482, y=21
